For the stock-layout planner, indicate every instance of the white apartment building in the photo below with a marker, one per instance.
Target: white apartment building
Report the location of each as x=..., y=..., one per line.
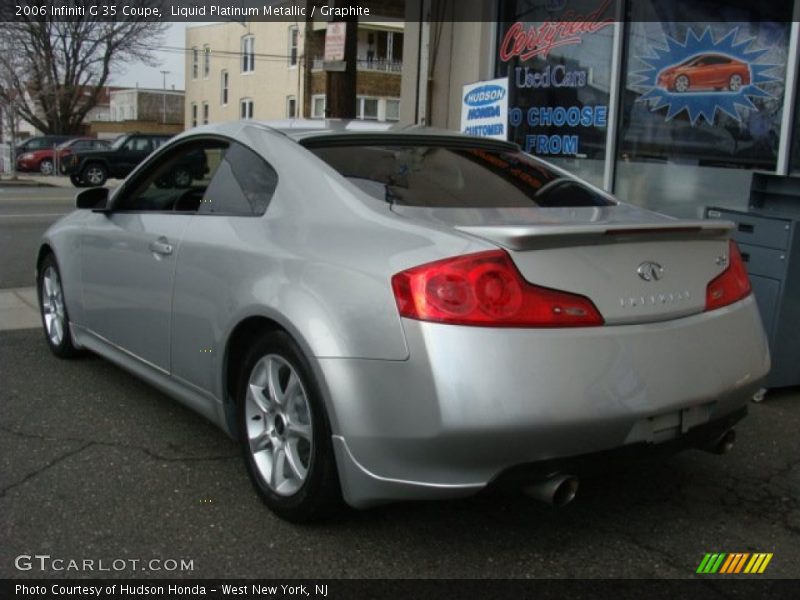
x=273, y=70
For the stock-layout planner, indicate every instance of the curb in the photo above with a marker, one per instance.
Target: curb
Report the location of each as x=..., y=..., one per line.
x=24, y=183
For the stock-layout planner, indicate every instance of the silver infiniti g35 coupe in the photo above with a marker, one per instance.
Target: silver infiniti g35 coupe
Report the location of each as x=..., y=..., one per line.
x=404, y=314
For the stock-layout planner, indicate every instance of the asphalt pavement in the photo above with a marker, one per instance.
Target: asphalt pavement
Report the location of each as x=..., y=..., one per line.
x=98, y=465
x=25, y=213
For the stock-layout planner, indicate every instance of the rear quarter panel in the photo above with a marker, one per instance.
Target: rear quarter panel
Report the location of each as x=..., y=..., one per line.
x=319, y=263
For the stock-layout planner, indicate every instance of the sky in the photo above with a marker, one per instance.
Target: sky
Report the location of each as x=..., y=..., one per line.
x=172, y=61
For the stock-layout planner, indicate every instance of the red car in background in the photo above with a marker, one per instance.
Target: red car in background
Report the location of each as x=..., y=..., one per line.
x=44, y=160
x=715, y=72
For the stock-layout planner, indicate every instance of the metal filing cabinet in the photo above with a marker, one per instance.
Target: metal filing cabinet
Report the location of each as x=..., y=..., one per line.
x=768, y=235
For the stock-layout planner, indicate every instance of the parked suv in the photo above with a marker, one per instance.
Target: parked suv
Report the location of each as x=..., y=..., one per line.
x=92, y=168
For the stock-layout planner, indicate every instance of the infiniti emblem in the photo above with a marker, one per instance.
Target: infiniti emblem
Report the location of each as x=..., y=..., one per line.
x=650, y=271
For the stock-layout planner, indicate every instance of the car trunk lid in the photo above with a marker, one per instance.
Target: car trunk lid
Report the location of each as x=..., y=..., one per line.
x=636, y=266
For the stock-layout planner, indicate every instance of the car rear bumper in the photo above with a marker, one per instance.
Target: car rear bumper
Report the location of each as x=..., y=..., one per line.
x=471, y=403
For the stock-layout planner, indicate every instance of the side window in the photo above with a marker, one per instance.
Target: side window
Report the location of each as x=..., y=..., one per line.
x=142, y=145
x=243, y=184
x=176, y=181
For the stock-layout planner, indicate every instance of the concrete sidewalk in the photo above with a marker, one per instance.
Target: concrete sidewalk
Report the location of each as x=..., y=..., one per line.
x=19, y=309
x=37, y=180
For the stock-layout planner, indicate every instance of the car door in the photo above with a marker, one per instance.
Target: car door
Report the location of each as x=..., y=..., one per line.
x=215, y=260
x=128, y=258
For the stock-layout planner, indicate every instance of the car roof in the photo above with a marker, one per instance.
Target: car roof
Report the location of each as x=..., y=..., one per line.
x=341, y=130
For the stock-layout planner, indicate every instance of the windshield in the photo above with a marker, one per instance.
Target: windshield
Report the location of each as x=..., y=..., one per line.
x=117, y=143
x=455, y=176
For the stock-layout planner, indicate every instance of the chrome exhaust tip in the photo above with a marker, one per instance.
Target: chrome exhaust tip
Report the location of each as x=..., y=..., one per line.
x=556, y=490
x=723, y=444
x=726, y=442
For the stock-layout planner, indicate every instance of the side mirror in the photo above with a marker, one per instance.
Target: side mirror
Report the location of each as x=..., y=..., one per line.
x=94, y=198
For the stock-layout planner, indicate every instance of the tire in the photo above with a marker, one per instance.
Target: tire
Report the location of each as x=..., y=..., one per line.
x=94, y=175
x=735, y=82
x=46, y=167
x=76, y=180
x=682, y=83
x=289, y=429
x=53, y=310
x=182, y=178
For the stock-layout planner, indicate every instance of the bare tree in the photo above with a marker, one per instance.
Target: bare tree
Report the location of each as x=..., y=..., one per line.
x=10, y=121
x=56, y=70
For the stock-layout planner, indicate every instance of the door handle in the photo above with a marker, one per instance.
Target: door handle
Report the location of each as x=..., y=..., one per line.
x=161, y=246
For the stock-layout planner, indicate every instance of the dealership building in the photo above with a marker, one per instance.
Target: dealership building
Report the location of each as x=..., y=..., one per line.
x=671, y=105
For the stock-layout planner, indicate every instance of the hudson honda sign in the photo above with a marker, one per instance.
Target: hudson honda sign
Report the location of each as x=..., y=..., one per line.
x=484, y=109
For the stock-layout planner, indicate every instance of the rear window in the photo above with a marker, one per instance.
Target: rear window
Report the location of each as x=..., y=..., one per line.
x=456, y=177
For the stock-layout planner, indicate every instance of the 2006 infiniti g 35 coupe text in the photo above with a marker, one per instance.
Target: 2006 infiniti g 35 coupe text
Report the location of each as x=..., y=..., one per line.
x=399, y=314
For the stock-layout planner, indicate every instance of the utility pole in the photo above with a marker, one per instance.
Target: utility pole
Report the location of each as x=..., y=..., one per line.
x=163, y=97
x=340, y=84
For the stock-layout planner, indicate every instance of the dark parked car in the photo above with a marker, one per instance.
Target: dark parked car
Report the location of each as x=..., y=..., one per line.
x=40, y=142
x=92, y=168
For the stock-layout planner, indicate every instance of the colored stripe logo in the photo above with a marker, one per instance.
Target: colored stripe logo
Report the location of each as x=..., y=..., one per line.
x=734, y=563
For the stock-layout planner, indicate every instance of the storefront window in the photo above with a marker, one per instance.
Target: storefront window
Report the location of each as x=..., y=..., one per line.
x=557, y=57
x=702, y=102
x=794, y=165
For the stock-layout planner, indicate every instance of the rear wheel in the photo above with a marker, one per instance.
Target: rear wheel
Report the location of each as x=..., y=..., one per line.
x=182, y=177
x=94, y=175
x=284, y=430
x=53, y=309
x=46, y=167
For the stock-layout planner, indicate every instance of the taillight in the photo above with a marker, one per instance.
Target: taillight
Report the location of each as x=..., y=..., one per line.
x=731, y=285
x=486, y=289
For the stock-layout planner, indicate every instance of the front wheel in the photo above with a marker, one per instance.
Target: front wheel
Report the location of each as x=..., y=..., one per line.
x=76, y=180
x=284, y=430
x=53, y=309
x=682, y=83
x=95, y=175
x=46, y=167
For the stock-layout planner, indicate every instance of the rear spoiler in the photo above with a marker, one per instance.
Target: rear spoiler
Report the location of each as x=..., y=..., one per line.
x=522, y=237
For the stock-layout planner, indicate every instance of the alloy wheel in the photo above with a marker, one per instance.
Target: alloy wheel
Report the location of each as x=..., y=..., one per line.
x=182, y=178
x=735, y=83
x=682, y=83
x=279, y=425
x=94, y=175
x=53, y=306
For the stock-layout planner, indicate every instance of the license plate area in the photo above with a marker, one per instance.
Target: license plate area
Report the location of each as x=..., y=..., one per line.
x=669, y=426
